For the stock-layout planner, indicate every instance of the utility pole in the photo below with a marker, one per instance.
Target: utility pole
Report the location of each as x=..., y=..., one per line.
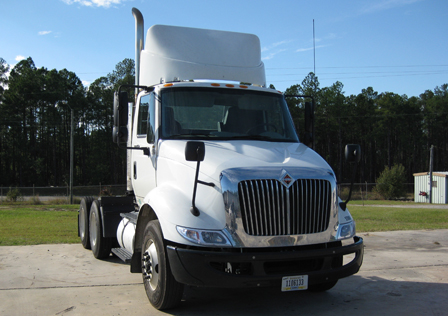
x=71, y=154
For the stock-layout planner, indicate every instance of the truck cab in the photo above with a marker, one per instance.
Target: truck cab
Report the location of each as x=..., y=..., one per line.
x=221, y=191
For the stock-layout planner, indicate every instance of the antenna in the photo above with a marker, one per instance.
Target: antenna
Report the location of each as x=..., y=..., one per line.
x=314, y=49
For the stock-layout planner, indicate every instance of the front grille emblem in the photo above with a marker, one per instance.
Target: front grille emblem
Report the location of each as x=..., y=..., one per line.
x=286, y=179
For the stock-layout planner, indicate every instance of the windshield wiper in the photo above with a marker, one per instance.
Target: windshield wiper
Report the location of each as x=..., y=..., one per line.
x=176, y=136
x=253, y=137
x=187, y=136
x=261, y=137
x=237, y=137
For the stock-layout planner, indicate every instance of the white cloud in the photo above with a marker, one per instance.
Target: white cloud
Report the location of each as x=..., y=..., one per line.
x=330, y=36
x=97, y=3
x=271, y=55
x=304, y=49
x=44, y=32
x=376, y=6
x=266, y=48
x=272, y=46
x=19, y=58
x=301, y=50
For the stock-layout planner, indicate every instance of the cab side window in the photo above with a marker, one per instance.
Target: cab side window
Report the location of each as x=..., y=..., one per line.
x=146, y=117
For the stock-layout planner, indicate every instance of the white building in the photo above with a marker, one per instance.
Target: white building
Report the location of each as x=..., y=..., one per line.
x=439, y=187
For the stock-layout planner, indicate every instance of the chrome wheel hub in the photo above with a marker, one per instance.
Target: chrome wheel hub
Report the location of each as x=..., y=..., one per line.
x=93, y=230
x=82, y=221
x=150, y=267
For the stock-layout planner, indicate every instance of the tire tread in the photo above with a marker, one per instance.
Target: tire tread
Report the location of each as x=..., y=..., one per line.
x=169, y=294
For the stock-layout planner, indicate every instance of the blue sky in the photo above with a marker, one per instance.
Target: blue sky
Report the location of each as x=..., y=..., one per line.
x=398, y=46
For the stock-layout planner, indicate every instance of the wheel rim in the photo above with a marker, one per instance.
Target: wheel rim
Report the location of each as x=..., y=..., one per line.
x=82, y=221
x=151, y=265
x=93, y=229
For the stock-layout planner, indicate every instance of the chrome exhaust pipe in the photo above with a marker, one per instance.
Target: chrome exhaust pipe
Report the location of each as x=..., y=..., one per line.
x=139, y=43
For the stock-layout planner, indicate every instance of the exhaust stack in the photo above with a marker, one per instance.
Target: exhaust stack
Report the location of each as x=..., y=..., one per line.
x=139, y=43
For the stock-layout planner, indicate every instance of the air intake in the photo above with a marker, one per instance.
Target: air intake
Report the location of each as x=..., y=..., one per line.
x=270, y=209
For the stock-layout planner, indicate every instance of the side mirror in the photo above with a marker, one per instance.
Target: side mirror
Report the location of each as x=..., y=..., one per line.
x=308, y=139
x=353, y=153
x=120, y=129
x=194, y=151
x=309, y=124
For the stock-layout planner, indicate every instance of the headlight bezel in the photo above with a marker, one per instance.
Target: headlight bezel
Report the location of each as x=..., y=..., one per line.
x=346, y=230
x=203, y=237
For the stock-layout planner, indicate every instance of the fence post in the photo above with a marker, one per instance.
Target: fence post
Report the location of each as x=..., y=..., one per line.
x=431, y=163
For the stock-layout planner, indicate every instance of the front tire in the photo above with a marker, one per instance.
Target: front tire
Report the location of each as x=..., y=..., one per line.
x=101, y=246
x=163, y=291
x=83, y=221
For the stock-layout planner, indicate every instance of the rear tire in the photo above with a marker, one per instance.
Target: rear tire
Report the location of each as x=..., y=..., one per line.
x=101, y=246
x=83, y=221
x=163, y=291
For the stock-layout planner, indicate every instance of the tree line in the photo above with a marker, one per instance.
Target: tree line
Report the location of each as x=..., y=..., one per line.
x=392, y=129
x=36, y=106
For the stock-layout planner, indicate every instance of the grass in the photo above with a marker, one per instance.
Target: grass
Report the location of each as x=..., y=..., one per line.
x=23, y=224
x=38, y=224
x=381, y=202
x=372, y=218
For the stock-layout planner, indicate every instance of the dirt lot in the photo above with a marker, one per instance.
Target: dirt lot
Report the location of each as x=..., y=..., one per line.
x=404, y=273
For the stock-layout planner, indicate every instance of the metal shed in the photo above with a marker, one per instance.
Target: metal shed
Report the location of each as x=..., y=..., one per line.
x=439, y=187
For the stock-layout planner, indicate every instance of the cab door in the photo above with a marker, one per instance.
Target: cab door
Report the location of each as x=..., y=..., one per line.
x=144, y=163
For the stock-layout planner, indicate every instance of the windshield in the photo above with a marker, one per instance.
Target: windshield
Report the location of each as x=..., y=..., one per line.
x=225, y=114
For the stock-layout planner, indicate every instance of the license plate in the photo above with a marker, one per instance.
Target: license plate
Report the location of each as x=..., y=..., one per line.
x=295, y=283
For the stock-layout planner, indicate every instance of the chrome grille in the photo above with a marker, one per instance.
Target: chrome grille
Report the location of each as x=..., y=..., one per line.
x=268, y=208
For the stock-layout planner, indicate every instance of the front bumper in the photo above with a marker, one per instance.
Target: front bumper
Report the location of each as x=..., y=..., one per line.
x=255, y=267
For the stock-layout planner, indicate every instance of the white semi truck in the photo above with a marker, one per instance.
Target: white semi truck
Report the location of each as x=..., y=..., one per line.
x=220, y=190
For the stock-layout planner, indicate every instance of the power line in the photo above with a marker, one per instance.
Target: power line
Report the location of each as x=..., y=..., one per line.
x=363, y=77
x=329, y=67
x=374, y=72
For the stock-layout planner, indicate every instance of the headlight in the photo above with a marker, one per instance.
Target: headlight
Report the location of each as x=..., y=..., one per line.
x=346, y=230
x=204, y=237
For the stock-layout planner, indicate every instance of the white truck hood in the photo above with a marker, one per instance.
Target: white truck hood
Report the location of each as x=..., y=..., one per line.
x=227, y=163
x=222, y=155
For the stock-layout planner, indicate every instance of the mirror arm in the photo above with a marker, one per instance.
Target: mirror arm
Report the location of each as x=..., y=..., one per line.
x=145, y=149
x=352, y=155
x=343, y=205
x=194, y=210
x=210, y=184
x=195, y=151
x=146, y=88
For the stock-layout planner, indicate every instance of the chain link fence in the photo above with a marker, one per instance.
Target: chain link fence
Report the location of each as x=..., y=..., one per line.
x=58, y=194
x=365, y=191
x=361, y=191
